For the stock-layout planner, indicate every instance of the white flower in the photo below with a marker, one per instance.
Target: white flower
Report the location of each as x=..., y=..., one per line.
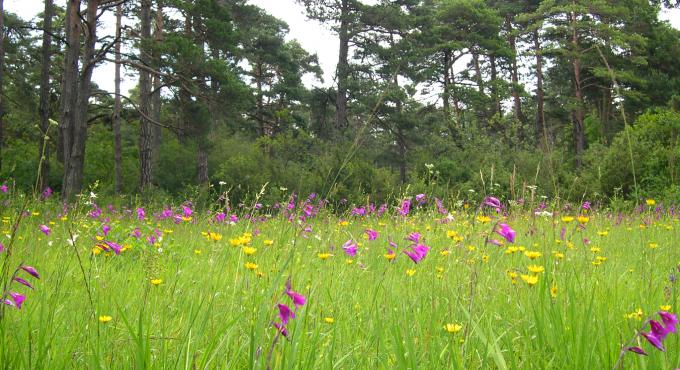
x=543, y=214
x=222, y=183
x=72, y=241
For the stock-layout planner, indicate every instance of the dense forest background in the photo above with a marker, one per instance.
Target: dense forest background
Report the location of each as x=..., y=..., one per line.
x=428, y=95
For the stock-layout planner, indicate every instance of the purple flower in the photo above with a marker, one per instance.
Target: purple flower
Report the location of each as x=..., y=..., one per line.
x=372, y=234
x=106, y=229
x=281, y=328
x=654, y=340
x=405, y=207
x=23, y=282
x=350, y=248
x=220, y=217
x=507, y=232
x=47, y=192
x=285, y=313
x=298, y=299
x=658, y=330
x=418, y=252
x=2, y=248
x=116, y=247
x=420, y=198
x=670, y=320
x=586, y=205
x=414, y=237
x=637, y=350
x=18, y=299
x=141, y=214
x=495, y=242
x=3, y=188
x=136, y=233
x=360, y=211
x=187, y=211
x=31, y=271
x=233, y=218
x=492, y=202
x=46, y=230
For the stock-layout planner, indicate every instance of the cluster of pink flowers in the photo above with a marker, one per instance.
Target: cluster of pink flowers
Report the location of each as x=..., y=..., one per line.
x=285, y=313
x=15, y=299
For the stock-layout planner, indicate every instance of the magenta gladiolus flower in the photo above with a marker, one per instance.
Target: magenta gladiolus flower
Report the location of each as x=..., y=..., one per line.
x=670, y=320
x=18, y=299
x=350, y=248
x=233, y=218
x=46, y=230
x=372, y=234
x=281, y=328
x=187, y=211
x=420, y=198
x=137, y=233
x=492, y=202
x=414, y=237
x=23, y=282
x=405, y=207
x=141, y=214
x=658, y=330
x=417, y=253
x=3, y=188
x=586, y=205
x=47, y=192
x=116, y=247
x=2, y=248
x=637, y=350
x=298, y=299
x=106, y=229
x=285, y=313
x=31, y=271
x=220, y=217
x=495, y=242
x=506, y=232
x=654, y=340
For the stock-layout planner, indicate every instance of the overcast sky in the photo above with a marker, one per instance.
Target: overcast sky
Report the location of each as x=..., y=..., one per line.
x=314, y=37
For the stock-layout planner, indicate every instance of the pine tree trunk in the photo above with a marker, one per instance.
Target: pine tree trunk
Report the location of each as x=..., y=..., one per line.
x=156, y=95
x=73, y=171
x=2, y=78
x=145, y=133
x=69, y=90
x=497, y=109
x=44, y=149
x=342, y=68
x=514, y=74
x=578, y=112
x=117, y=140
x=540, y=114
x=445, y=101
x=202, y=162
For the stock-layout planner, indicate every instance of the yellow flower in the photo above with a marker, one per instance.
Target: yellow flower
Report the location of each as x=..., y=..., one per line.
x=445, y=252
x=343, y=223
x=390, y=256
x=653, y=245
x=650, y=202
x=99, y=238
x=197, y=251
x=531, y=280
x=349, y=261
x=583, y=219
x=558, y=255
x=553, y=291
x=533, y=254
x=636, y=315
x=665, y=307
x=536, y=269
x=595, y=249
x=268, y=242
x=453, y=328
x=485, y=258
x=471, y=248
x=214, y=236
x=410, y=272
x=328, y=320
x=156, y=282
x=596, y=263
x=324, y=256
x=440, y=269
x=511, y=249
x=104, y=319
x=603, y=233
x=249, y=251
x=567, y=219
x=600, y=258
x=484, y=219
x=251, y=266
x=96, y=250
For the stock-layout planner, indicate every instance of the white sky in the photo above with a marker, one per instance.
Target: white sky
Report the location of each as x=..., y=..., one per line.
x=314, y=37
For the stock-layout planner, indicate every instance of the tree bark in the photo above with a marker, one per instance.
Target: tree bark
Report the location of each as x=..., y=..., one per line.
x=540, y=113
x=496, y=109
x=156, y=95
x=2, y=77
x=44, y=149
x=514, y=74
x=445, y=101
x=117, y=140
x=73, y=168
x=578, y=112
x=202, y=162
x=342, y=68
x=145, y=133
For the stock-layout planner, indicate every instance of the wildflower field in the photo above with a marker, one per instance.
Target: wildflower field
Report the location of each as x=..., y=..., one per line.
x=417, y=284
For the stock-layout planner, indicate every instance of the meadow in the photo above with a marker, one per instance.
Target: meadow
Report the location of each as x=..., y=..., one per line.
x=417, y=284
